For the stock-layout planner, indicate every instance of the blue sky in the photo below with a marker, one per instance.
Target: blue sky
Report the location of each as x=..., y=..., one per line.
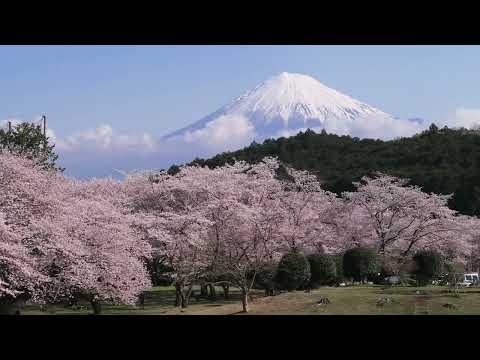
x=157, y=89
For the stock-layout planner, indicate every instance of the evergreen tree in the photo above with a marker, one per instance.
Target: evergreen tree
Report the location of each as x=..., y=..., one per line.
x=28, y=140
x=293, y=271
x=443, y=161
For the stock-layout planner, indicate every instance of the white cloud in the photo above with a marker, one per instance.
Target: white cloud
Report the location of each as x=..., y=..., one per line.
x=104, y=138
x=227, y=132
x=98, y=151
x=463, y=117
x=374, y=128
x=383, y=128
x=127, y=152
x=288, y=133
x=389, y=128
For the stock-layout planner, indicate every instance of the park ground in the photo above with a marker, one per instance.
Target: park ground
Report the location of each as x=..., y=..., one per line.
x=356, y=300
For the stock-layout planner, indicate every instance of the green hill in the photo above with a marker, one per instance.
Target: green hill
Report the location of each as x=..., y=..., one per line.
x=440, y=160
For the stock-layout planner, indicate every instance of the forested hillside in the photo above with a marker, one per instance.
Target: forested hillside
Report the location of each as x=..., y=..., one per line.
x=440, y=160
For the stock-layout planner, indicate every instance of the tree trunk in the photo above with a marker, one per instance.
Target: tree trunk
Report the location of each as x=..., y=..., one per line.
x=213, y=293
x=186, y=300
x=181, y=299
x=226, y=289
x=245, y=301
x=203, y=291
x=270, y=290
x=178, y=295
x=8, y=309
x=11, y=306
x=183, y=303
x=455, y=284
x=141, y=300
x=96, y=307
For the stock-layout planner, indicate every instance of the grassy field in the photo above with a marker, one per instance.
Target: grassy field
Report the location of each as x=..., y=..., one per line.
x=357, y=300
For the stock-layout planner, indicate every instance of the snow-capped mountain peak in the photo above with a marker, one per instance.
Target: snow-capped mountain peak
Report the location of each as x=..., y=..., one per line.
x=288, y=95
x=290, y=102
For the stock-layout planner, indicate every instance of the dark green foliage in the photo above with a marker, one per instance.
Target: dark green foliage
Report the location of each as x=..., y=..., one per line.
x=27, y=140
x=360, y=263
x=442, y=161
x=173, y=170
x=265, y=279
x=453, y=273
x=160, y=273
x=10, y=306
x=384, y=272
x=282, y=174
x=293, y=271
x=428, y=264
x=323, y=270
x=338, y=259
x=433, y=128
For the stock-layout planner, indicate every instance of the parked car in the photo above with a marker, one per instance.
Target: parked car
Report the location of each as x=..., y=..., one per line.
x=470, y=279
x=393, y=280
x=467, y=280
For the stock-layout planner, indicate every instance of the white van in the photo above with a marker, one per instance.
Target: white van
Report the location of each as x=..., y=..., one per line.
x=470, y=279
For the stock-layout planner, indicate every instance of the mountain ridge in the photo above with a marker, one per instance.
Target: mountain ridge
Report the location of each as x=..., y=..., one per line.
x=442, y=161
x=292, y=102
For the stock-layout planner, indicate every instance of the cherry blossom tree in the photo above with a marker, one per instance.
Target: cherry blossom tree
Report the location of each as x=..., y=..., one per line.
x=24, y=197
x=250, y=236
x=467, y=249
x=110, y=248
x=402, y=219
x=169, y=210
x=308, y=221
x=74, y=237
x=248, y=213
x=19, y=273
x=230, y=222
x=209, y=223
x=65, y=238
x=350, y=227
x=180, y=240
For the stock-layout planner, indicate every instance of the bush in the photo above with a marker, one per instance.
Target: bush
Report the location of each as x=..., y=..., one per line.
x=383, y=272
x=360, y=263
x=160, y=274
x=293, y=271
x=323, y=270
x=338, y=259
x=265, y=279
x=428, y=264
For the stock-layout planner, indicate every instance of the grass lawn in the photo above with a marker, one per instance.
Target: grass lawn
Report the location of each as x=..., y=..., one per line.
x=357, y=300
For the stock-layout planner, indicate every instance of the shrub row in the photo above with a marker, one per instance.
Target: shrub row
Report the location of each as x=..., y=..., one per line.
x=296, y=271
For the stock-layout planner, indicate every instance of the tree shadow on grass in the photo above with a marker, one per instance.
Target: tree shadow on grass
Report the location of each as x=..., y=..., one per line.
x=238, y=313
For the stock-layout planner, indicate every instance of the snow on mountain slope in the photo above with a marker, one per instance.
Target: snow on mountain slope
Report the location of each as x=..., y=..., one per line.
x=289, y=103
x=288, y=95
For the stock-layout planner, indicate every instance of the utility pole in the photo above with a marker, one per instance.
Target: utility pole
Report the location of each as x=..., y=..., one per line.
x=44, y=118
x=9, y=127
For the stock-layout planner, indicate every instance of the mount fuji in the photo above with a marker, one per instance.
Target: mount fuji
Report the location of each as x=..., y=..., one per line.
x=288, y=103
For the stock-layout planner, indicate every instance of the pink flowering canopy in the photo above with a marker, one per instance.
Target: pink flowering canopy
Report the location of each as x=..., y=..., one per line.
x=61, y=237
x=398, y=220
